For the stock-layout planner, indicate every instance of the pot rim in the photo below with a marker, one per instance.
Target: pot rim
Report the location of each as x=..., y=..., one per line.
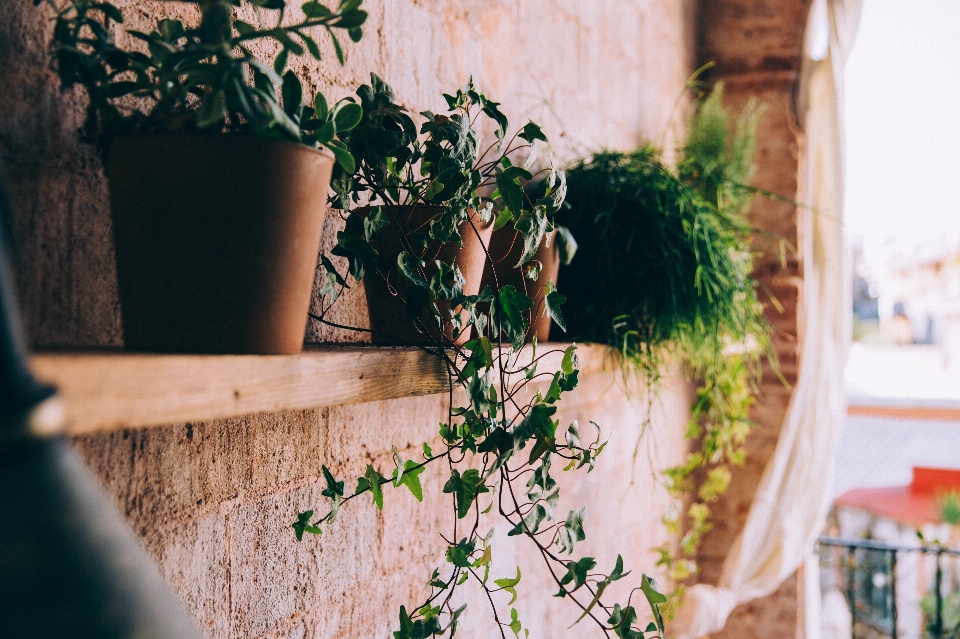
x=325, y=152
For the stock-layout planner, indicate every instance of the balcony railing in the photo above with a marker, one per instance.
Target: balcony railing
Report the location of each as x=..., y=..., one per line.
x=895, y=591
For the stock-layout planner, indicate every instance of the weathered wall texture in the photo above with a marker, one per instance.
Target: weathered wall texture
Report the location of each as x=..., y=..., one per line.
x=757, y=47
x=213, y=501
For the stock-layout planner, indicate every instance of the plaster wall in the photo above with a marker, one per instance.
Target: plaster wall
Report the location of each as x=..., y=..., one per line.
x=213, y=501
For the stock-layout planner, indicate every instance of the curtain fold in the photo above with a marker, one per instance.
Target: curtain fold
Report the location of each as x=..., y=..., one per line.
x=791, y=503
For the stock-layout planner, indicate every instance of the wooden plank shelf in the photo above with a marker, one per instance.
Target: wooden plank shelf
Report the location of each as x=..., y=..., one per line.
x=110, y=390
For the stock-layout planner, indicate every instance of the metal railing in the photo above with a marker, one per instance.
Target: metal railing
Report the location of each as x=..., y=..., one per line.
x=895, y=591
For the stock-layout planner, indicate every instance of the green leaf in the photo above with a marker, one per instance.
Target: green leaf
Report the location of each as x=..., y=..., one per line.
x=292, y=93
x=572, y=532
x=509, y=585
x=532, y=224
x=280, y=63
x=371, y=481
x=410, y=267
x=409, y=478
x=344, y=157
x=348, y=116
x=618, y=573
x=532, y=132
x=504, y=218
x=654, y=598
x=569, y=362
x=459, y=554
x=510, y=308
x=622, y=620
x=320, y=106
x=465, y=488
x=553, y=300
x=511, y=192
x=577, y=572
x=427, y=451
x=302, y=525
x=334, y=488
x=514, y=624
x=315, y=10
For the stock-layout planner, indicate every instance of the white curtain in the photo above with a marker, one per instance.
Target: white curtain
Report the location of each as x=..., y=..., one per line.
x=792, y=500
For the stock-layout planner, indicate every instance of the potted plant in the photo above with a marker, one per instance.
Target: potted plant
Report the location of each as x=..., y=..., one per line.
x=664, y=270
x=537, y=278
x=423, y=230
x=216, y=167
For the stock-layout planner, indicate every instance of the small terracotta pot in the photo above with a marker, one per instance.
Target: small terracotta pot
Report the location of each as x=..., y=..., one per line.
x=386, y=289
x=506, y=249
x=217, y=238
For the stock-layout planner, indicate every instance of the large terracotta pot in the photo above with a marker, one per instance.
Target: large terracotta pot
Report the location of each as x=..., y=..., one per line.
x=506, y=249
x=386, y=289
x=217, y=238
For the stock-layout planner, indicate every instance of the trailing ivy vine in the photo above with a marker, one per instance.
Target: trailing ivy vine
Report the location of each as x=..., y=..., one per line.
x=502, y=440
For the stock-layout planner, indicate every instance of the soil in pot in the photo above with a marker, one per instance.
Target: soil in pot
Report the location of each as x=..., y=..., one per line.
x=506, y=249
x=217, y=238
x=385, y=290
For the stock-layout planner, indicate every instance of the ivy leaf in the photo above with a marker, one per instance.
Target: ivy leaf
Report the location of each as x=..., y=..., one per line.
x=532, y=132
x=618, y=573
x=371, y=481
x=409, y=266
x=353, y=245
x=375, y=220
x=410, y=477
x=532, y=224
x=654, y=598
x=622, y=620
x=465, y=488
x=510, y=192
x=459, y=554
x=334, y=488
x=334, y=279
x=509, y=585
x=514, y=624
x=572, y=532
x=569, y=362
x=513, y=322
x=577, y=572
x=302, y=525
x=553, y=301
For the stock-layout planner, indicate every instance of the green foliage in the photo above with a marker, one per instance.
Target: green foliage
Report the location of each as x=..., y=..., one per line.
x=442, y=163
x=502, y=437
x=949, y=504
x=203, y=79
x=663, y=270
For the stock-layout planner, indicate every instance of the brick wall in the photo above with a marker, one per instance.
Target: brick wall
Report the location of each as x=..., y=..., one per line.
x=757, y=45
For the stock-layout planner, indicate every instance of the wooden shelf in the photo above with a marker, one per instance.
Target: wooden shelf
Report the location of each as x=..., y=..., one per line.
x=110, y=390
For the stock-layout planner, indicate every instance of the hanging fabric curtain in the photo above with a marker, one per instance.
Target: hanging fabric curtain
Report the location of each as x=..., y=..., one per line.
x=792, y=500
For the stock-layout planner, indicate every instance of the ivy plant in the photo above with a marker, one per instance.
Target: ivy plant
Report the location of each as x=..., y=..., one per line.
x=205, y=78
x=664, y=271
x=502, y=440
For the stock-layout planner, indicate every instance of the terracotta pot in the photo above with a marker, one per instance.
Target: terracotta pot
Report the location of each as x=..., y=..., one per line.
x=506, y=249
x=385, y=290
x=217, y=238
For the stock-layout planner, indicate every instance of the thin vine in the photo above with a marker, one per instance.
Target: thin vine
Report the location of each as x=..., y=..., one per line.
x=501, y=440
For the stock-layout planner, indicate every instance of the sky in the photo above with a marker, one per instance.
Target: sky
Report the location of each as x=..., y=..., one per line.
x=902, y=117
